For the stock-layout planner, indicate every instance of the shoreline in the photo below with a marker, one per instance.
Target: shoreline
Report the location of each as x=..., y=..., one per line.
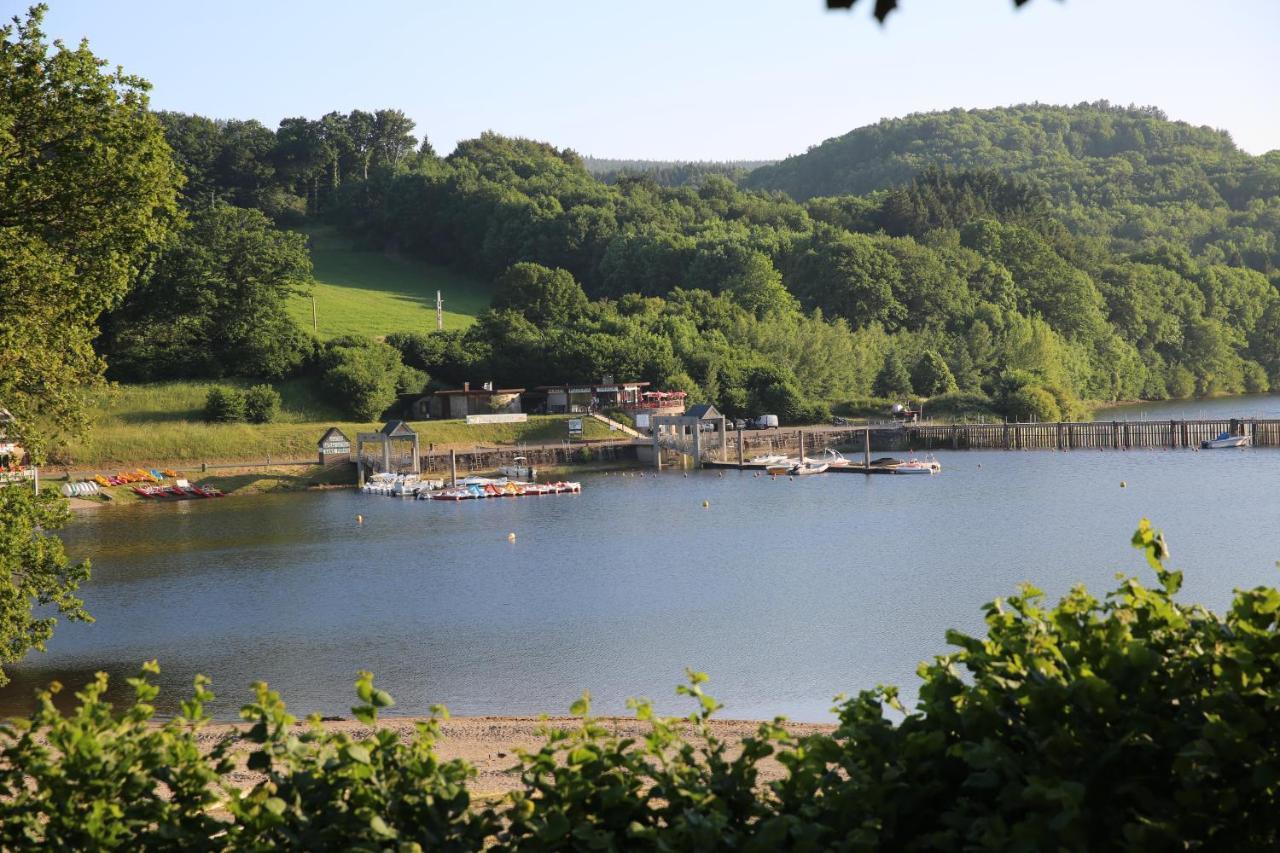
x=489, y=743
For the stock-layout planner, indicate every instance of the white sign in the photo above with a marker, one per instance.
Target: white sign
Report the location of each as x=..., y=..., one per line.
x=511, y=418
x=575, y=426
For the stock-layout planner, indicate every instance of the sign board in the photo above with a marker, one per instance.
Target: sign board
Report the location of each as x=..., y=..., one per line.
x=509, y=418
x=575, y=426
x=586, y=390
x=337, y=444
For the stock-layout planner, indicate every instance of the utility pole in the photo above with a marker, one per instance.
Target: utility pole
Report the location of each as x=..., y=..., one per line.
x=315, y=325
x=439, y=312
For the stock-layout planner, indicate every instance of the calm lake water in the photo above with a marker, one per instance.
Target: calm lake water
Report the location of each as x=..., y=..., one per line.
x=787, y=593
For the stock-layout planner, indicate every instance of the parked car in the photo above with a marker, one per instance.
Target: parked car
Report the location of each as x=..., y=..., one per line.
x=764, y=422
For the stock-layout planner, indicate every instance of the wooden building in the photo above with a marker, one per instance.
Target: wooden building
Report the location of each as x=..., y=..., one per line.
x=460, y=402
x=334, y=447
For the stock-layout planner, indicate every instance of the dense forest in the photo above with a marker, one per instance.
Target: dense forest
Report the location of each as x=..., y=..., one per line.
x=1013, y=261
x=670, y=173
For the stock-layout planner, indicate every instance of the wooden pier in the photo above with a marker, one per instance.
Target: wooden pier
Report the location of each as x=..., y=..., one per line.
x=1088, y=435
x=1064, y=435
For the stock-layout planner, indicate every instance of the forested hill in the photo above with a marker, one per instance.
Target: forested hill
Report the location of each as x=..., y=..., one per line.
x=670, y=173
x=1124, y=171
x=1025, y=265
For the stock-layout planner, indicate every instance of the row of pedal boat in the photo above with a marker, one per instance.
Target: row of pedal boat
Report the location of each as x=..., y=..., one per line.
x=468, y=490
x=777, y=465
x=472, y=488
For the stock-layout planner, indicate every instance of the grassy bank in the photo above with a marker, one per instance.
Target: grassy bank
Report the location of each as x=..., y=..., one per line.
x=160, y=424
x=371, y=293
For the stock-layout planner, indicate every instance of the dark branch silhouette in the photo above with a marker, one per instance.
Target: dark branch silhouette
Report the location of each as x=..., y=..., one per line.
x=883, y=7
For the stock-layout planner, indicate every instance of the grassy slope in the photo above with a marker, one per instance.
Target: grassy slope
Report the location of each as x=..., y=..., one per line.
x=160, y=423
x=369, y=293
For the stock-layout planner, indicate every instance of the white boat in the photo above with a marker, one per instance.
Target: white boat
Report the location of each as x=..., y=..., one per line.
x=767, y=459
x=809, y=466
x=519, y=469
x=833, y=458
x=1225, y=439
x=917, y=466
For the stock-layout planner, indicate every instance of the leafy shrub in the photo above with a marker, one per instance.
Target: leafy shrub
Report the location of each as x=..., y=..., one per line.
x=1129, y=722
x=1033, y=403
x=363, y=376
x=960, y=405
x=225, y=405
x=261, y=404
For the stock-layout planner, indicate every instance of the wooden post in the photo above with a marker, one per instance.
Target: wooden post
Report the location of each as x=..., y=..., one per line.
x=866, y=447
x=739, y=431
x=800, y=438
x=315, y=324
x=955, y=437
x=453, y=468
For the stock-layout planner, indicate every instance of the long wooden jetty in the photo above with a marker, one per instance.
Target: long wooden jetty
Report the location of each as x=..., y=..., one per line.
x=1088, y=435
x=1064, y=435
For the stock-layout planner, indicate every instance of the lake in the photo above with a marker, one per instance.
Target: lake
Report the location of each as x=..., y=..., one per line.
x=785, y=592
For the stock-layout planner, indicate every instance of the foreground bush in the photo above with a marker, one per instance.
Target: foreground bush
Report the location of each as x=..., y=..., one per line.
x=1131, y=722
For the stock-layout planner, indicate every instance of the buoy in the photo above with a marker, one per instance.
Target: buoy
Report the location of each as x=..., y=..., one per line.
x=359, y=519
x=1123, y=484
x=706, y=504
x=511, y=537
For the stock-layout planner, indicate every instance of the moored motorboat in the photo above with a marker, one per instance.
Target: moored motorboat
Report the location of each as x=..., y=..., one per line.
x=1224, y=440
x=767, y=459
x=833, y=458
x=929, y=465
x=809, y=466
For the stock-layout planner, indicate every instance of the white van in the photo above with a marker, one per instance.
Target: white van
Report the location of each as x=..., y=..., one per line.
x=764, y=422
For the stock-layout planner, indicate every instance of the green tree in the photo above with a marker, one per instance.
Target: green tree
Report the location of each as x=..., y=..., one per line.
x=932, y=376
x=34, y=571
x=87, y=184
x=892, y=380
x=215, y=302
x=546, y=297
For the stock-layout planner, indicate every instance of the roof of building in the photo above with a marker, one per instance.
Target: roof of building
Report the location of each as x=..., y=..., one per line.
x=395, y=429
x=702, y=411
x=593, y=385
x=479, y=392
x=333, y=432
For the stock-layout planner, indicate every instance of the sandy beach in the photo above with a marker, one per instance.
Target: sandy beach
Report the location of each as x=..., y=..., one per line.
x=490, y=743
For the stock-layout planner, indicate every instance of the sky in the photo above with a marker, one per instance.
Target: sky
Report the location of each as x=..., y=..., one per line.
x=687, y=79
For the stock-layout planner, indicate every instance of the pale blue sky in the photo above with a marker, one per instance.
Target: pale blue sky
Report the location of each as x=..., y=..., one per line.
x=699, y=79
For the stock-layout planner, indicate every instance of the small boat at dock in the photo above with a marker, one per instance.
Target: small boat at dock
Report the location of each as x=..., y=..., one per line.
x=833, y=458
x=1224, y=440
x=809, y=466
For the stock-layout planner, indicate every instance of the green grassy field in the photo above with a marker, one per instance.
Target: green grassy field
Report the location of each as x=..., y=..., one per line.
x=370, y=293
x=154, y=424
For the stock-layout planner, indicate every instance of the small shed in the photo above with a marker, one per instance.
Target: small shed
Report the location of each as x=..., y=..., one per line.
x=397, y=450
x=334, y=447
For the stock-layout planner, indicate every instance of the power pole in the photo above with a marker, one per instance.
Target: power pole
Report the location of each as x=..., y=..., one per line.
x=439, y=312
x=315, y=325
